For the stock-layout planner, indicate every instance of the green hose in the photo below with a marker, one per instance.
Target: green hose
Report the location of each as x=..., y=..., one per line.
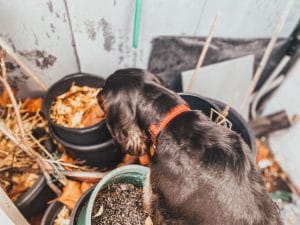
x=137, y=20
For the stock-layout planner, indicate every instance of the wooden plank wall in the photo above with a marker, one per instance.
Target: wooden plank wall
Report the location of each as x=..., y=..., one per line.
x=44, y=31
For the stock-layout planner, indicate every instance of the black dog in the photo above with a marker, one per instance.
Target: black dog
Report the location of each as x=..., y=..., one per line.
x=202, y=173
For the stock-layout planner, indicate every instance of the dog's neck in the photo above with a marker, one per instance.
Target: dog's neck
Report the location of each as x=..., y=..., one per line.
x=158, y=108
x=155, y=129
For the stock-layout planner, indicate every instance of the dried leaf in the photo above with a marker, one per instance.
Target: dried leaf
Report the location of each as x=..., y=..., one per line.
x=262, y=151
x=32, y=105
x=99, y=213
x=65, y=158
x=17, y=190
x=77, y=108
x=92, y=116
x=71, y=194
x=4, y=98
x=85, y=186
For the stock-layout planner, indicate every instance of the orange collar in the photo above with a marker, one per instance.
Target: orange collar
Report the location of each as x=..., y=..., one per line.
x=155, y=129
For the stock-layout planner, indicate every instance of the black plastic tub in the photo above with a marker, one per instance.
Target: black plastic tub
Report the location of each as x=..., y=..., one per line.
x=80, y=208
x=199, y=103
x=104, y=155
x=239, y=125
x=54, y=209
x=79, y=136
x=35, y=199
x=51, y=213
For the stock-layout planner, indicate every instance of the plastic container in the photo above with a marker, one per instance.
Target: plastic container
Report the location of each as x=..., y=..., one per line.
x=199, y=103
x=53, y=209
x=239, y=125
x=104, y=155
x=51, y=213
x=80, y=208
x=79, y=136
x=35, y=199
x=133, y=174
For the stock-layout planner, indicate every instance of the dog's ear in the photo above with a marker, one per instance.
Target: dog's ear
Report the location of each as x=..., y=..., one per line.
x=120, y=107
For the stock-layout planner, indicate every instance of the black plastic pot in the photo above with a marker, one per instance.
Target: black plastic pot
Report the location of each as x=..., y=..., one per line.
x=51, y=213
x=199, y=103
x=80, y=207
x=35, y=199
x=79, y=136
x=53, y=209
x=239, y=125
x=104, y=155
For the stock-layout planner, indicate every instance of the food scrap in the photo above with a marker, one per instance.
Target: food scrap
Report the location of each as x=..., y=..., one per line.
x=77, y=108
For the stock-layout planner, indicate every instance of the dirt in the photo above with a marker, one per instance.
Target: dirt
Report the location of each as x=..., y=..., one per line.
x=119, y=204
x=42, y=59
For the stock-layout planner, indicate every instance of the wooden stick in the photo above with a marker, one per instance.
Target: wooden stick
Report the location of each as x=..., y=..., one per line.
x=267, y=54
x=10, y=210
x=7, y=87
x=22, y=65
x=39, y=159
x=273, y=122
x=202, y=54
x=23, y=143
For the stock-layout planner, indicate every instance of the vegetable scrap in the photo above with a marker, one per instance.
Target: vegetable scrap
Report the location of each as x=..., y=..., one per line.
x=77, y=108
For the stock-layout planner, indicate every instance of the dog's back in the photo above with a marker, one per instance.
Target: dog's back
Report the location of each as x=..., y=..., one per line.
x=202, y=173
x=208, y=177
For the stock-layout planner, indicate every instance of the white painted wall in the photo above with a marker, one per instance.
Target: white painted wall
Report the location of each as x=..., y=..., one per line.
x=103, y=29
x=285, y=143
x=238, y=19
x=31, y=26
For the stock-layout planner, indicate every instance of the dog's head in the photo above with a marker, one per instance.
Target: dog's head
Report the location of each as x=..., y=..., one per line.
x=119, y=99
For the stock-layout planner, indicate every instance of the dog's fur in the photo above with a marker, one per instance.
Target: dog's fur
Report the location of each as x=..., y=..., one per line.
x=202, y=173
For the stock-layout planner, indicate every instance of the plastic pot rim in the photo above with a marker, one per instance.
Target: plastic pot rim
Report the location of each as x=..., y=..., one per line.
x=94, y=147
x=46, y=110
x=116, y=172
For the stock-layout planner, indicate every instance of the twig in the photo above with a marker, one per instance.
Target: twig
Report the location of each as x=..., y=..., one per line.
x=22, y=65
x=21, y=169
x=7, y=87
x=39, y=159
x=202, y=54
x=23, y=143
x=11, y=181
x=271, y=83
x=267, y=54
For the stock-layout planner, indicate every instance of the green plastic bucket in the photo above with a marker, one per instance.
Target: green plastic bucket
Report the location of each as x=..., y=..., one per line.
x=133, y=174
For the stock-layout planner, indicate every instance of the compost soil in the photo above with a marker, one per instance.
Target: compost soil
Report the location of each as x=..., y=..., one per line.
x=119, y=204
